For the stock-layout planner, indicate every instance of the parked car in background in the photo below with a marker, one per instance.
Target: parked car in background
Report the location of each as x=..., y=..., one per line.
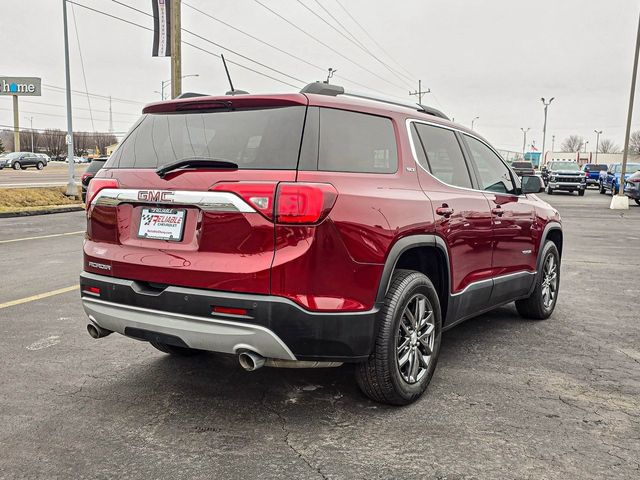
x=296, y=230
x=92, y=169
x=592, y=172
x=611, y=182
x=523, y=168
x=23, y=160
x=565, y=176
x=77, y=160
x=632, y=187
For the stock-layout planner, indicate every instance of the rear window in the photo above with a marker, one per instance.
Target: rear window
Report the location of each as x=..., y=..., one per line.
x=356, y=142
x=253, y=139
x=522, y=165
x=595, y=168
x=94, y=166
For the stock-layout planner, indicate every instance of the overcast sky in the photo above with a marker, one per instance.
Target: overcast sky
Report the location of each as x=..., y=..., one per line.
x=488, y=58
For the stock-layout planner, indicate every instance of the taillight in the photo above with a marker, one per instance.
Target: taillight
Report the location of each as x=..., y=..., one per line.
x=97, y=184
x=300, y=203
x=259, y=195
x=85, y=176
x=304, y=202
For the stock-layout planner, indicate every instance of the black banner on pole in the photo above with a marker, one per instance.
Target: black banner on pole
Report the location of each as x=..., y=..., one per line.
x=161, y=28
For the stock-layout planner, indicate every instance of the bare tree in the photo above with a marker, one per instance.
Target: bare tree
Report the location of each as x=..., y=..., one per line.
x=634, y=143
x=608, y=146
x=573, y=143
x=53, y=141
x=7, y=139
x=103, y=140
x=1, y=146
x=81, y=143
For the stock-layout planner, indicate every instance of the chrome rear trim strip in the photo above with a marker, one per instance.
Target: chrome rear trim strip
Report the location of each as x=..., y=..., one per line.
x=210, y=201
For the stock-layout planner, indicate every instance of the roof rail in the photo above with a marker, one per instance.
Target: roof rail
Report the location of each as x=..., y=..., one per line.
x=321, y=88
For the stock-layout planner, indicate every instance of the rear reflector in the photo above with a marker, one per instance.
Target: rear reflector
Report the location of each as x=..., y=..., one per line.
x=228, y=310
x=97, y=184
x=94, y=290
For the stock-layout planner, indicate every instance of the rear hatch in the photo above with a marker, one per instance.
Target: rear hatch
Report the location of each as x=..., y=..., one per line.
x=207, y=223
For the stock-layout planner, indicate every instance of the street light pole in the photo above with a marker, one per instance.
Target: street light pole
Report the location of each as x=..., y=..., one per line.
x=598, y=133
x=474, y=121
x=164, y=83
x=544, y=128
x=71, y=185
x=524, y=140
x=585, y=146
x=176, y=49
x=32, y=147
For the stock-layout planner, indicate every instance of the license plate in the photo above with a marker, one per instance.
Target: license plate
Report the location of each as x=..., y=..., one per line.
x=161, y=224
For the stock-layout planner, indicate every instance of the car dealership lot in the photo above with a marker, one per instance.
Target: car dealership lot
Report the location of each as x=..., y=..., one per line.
x=54, y=174
x=510, y=398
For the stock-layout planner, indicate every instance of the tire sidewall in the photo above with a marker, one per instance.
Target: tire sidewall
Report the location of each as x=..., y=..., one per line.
x=39, y=165
x=17, y=166
x=418, y=284
x=549, y=248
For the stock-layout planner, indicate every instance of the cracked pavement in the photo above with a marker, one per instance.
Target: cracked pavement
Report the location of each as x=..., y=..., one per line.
x=557, y=399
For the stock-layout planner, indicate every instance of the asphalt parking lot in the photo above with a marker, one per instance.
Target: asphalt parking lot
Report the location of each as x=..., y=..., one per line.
x=510, y=398
x=54, y=174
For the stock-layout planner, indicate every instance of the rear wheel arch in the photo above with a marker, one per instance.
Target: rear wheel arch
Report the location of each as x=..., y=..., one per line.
x=426, y=254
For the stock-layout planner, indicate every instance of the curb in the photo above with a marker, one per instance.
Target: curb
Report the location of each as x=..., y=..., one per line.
x=28, y=213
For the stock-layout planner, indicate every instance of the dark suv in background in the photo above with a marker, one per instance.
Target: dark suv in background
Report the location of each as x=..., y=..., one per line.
x=93, y=168
x=312, y=229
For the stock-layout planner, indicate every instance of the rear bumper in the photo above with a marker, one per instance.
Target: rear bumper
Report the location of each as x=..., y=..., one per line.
x=274, y=327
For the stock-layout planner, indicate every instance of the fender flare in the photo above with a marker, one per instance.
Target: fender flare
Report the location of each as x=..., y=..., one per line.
x=401, y=246
x=552, y=225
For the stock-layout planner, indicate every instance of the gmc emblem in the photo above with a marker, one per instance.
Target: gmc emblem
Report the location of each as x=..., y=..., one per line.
x=155, y=196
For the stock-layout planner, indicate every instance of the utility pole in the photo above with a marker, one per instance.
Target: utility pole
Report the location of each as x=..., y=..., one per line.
x=32, y=147
x=71, y=185
x=16, y=125
x=622, y=202
x=544, y=128
x=110, y=116
x=598, y=133
x=585, y=146
x=524, y=140
x=474, y=121
x=420, y=92
x=176, y=49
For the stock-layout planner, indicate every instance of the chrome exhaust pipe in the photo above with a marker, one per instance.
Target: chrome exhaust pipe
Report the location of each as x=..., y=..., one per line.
x=97, y=332
x=251, y=361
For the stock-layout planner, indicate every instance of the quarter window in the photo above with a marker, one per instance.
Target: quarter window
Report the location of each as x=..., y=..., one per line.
x=494, y=174
x=356, y=142
x=444, y=157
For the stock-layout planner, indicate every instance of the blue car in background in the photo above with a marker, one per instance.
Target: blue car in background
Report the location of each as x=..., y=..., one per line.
x=592, y=172
x=612, y=181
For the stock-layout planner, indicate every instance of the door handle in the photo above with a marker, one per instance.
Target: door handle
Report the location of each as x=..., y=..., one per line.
x=445, y=210
x=497, y=211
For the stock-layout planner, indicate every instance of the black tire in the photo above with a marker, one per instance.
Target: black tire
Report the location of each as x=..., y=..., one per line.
x=581, y=193
x=39, y=165
x=380, y=377
x=549, y=191
x=173, y=350
x=614, y=190
x=602, y=189
x=17, y=166
x=534, y=307
x=637, y=201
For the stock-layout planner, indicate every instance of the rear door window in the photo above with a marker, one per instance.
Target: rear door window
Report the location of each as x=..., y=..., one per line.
x=444, y=157
x=356, y=142
x=253, y=139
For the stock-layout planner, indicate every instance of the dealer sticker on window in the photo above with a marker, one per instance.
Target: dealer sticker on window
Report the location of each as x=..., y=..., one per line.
x=162, y=224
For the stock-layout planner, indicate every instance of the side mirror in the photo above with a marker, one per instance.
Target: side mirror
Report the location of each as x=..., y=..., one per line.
x=531, y=184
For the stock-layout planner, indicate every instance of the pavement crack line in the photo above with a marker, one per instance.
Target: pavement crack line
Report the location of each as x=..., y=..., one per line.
x=287, y=433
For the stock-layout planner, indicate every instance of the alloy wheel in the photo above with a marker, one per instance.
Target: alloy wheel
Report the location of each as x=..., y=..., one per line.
x=549, y=281
x=415, y=339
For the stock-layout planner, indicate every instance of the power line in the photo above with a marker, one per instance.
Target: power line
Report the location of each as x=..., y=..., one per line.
x=371, y=37
x=364, y=49
x=324, y=44
x=77, y=108
x=115, y=17
x=44, y=130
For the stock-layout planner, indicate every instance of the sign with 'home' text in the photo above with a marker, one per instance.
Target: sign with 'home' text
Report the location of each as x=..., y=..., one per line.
x=27, y=86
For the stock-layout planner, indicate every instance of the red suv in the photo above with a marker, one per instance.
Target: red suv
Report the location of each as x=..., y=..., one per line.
x=312, y=229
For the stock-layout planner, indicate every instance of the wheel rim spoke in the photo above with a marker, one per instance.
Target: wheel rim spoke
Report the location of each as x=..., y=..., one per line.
x=415, y=339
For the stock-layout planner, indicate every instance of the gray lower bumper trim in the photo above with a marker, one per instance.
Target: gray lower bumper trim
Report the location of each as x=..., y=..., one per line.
x=211, y=334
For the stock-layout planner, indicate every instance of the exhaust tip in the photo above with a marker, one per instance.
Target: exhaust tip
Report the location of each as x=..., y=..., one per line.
x=251, y=361
x=97, y=332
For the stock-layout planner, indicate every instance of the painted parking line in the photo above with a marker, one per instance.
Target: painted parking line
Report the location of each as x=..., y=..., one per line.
x=42, y=236
x=39, y=296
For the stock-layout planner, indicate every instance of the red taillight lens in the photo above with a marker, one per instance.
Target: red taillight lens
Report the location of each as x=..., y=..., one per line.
x=85, y=176
x=229, y=310
x=304, y=202
x=94, y=290
x=259, y=195
x=97, y=184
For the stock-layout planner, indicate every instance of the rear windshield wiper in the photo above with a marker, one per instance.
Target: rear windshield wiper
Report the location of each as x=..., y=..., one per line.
x=191, y=163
